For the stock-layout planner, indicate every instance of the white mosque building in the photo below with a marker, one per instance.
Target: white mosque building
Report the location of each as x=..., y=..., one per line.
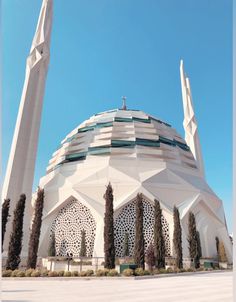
x=134, y=151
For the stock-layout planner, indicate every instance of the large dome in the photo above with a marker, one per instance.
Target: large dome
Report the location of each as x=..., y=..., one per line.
x=128, y=133
x=136, y=153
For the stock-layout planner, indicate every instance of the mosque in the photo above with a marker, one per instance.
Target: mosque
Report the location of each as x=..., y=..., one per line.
x=137, y=153
x=133, y=150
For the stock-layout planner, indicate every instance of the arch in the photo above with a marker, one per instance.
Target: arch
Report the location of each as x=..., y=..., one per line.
x=125, y=223
x=70, y=221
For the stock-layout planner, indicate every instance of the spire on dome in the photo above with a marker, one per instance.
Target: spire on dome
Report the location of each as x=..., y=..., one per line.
x=124, y=103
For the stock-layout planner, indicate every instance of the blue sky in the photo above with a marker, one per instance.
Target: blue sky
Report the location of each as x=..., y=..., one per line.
x=103, y=49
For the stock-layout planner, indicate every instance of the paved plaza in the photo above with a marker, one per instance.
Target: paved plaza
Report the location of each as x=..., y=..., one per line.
x=210, y=287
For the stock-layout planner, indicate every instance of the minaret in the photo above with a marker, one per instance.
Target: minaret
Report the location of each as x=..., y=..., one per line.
x=189, y=123
x=21, y=163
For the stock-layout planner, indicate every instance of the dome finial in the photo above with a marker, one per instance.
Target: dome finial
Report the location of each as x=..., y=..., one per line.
x=124, y=103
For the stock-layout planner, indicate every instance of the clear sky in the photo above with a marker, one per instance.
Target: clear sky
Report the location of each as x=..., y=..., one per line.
x=103, y=49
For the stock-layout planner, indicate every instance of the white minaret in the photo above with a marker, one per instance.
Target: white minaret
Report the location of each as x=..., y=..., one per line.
x=190, y=124
x=21, y=163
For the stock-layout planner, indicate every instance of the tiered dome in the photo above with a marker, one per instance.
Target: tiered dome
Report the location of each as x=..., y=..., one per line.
x=126, y=133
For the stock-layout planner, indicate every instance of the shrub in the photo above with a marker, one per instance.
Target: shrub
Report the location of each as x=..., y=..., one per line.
x=177, y=240
x=106, y=271
x=7, y=273
x=139, y=237
x=35, y=230
x=14, y=273
x=180, y=270
x=190, y=269
x=159, y=240
x=109, y=246
x=67, y=274
x=126, y=245
x=156, y=272
x=75, y=274
x=150, y=256
x=53, y=274
x=194, y=240
x=61, y=273
x=52, y=246
x=28, y=272
x=146, y=272
x=36, y=274
x=21, y=274
x=217, y=247
x=89, y=272
x=139, y=272
x=44, y=273
x=128, y=272
x=162, y=271
x=83, y=247
x=15, y=244
x=222, y=253
x=82, y=274
x=112, y=273
x=102, y=272
x=169, y=270
x=5, y=215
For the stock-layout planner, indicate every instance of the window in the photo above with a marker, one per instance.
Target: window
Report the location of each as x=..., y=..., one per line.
x=160, y=122
x=142, y=120
x=123, y=119
x=99, y=150
x=166, y=141
x=85, y=129
x=76, y=156
x=147, y=142
x=122, y=144
x=182, y=145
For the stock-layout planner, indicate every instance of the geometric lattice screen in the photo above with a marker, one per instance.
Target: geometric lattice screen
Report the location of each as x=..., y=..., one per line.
x=67, y=227
x=125, y=223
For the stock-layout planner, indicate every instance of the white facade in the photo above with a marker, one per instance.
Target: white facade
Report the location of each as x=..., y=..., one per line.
x=137, y=153
x=21, y=163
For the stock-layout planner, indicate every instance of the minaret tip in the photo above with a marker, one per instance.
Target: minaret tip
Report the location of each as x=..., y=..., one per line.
x=190, y=124
x=43, y=30
x=181, y=65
